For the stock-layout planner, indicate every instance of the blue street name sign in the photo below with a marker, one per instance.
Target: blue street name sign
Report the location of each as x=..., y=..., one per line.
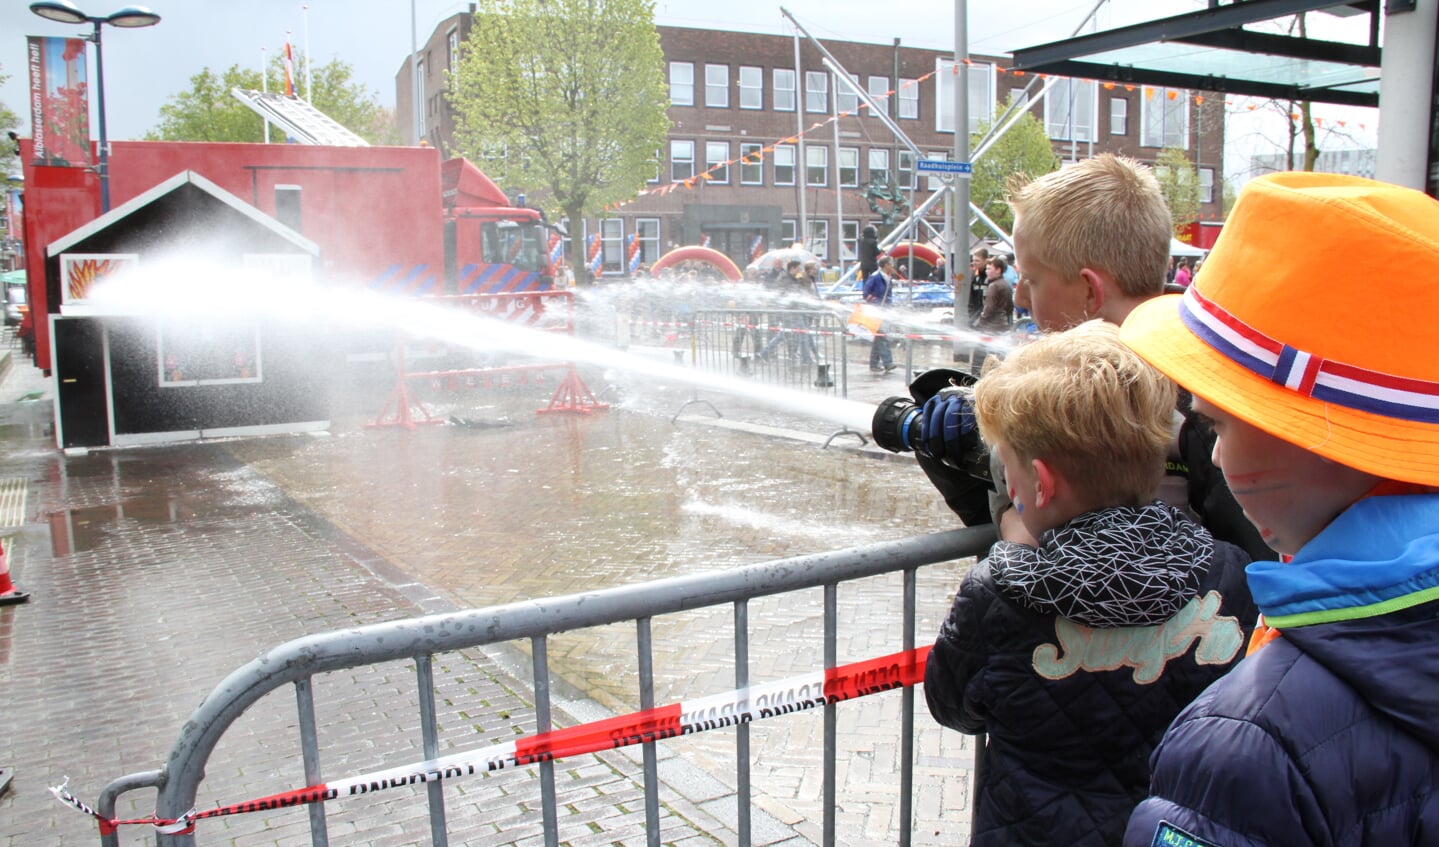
x=944, y=166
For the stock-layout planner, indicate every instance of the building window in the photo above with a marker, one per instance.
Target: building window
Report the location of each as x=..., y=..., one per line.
x=878, y=87
x=906, y=169
x=783, y=90
x=751, y=164
x=848, y=166
x=784, y=164
x=1164, y=118
x=1206, y=185
x=659, y=165
x=818, y=241
x=647, y=232
x=682, y=160
x=908, y=99
x=682, y=84
x=1020, y=96
x=612, y=245
x=717, y=161
x=849, y=241
x=452, y=47
x=1118, y=116
x=751, y=87
x=787, y=232
x=816, y=165
x=1069, y=110
x=878, y=165
x=816, y=91
x=845, y=100
x=981, y=95
x=717, y=86
x=420, y=72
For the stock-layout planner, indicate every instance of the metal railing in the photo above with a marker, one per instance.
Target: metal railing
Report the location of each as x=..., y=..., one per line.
x=793, y=347
x=421, y=639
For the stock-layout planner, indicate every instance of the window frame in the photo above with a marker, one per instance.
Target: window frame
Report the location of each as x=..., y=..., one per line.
x=881, y=97
x=754, y=91
x=908, y=93
x=1181, y=102
x=869, y=162
x=719, y=176
x=816, y=92
x=782, y=93
x=813, y=152
x=840, y=168
x=676, y=85
x=716, y=92
x=674, y=146
x=782, y=151
x=1119, y=115
x=747, y=150
x=1076, y=118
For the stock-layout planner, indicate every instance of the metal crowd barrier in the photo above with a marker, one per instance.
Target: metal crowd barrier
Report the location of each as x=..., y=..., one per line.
x=426, y=640
x=794, y=348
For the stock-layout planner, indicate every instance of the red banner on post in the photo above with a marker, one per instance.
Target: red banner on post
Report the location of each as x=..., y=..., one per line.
x=59, y=101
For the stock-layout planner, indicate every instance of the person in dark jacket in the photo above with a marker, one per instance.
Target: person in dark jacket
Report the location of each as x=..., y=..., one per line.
x=1074, y=267
x=1326, y=734
x=1075, y=654
x=868, y=253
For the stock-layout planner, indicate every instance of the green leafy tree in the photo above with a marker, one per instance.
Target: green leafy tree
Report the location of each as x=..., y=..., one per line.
x=1180, y=183
x=563, y=98
x=9, y=122
x=1023, y=149
x=209, y=112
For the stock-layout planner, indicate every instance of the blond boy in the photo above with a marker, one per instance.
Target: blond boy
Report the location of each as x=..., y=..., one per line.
x=1075, y=654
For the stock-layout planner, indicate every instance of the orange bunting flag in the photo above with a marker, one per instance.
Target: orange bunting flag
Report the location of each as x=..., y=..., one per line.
x=1199, y=98
x=1109, y=86
x=1171, y=94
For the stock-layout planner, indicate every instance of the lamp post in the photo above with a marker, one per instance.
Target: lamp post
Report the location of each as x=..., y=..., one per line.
x=130, y=17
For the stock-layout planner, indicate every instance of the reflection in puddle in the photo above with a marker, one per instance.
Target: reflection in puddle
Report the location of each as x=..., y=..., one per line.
x=77, y=530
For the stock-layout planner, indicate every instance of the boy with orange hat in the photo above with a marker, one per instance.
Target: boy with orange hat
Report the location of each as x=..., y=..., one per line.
x=1328, y=433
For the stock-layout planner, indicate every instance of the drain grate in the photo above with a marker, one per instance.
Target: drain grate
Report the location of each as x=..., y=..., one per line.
x=12, y=501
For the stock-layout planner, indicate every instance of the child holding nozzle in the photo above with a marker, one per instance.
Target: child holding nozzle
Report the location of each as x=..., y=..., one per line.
x=1075, y=654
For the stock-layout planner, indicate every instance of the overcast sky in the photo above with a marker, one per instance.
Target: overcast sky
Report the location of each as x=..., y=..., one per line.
x=145, y=67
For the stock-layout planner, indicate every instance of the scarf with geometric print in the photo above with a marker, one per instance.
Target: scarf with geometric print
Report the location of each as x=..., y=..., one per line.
x=1121, y=566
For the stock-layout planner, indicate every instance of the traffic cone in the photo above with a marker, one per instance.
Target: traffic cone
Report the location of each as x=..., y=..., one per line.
x=9, y=594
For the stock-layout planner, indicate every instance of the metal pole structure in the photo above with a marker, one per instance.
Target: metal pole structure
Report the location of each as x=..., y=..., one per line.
x=104, y=163
x=800, y=164
x=265, y=88
x=309, y=78
x=415, y=87
x=838, y=189
x=1406, y=106
x=960, y=232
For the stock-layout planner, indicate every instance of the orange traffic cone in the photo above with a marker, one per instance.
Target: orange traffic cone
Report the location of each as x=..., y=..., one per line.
x=9, y=594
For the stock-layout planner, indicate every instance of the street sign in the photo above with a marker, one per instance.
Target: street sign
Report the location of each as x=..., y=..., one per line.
x=944, y=166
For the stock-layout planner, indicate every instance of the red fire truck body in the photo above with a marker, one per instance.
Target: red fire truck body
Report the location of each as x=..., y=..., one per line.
x=392, y=219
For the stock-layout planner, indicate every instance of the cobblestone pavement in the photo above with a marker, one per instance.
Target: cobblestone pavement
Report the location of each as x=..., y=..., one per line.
x=156, y=571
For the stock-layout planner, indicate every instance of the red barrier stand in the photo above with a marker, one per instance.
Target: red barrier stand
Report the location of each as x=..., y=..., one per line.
x=9, y=594
x=573, y=396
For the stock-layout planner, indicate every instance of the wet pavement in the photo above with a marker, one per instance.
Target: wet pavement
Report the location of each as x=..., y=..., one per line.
x=156, y=571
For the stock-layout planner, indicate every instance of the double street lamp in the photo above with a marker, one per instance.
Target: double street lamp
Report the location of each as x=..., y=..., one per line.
x=130, y=17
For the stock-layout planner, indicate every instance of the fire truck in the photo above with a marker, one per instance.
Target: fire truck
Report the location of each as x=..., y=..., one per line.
x=392, y=219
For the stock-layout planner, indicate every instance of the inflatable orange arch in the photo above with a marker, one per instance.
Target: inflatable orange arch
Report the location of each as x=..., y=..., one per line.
x=707, y=255
x=921, y=253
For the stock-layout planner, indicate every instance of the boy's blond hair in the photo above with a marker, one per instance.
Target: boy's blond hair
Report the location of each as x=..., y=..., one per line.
x=1106, y=213
x=1086, y=404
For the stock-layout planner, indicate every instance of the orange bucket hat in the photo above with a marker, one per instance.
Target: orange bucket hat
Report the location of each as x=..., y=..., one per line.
x=1312, y=319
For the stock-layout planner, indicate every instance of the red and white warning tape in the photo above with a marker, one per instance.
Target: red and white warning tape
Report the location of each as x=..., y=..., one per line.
x=766, y=700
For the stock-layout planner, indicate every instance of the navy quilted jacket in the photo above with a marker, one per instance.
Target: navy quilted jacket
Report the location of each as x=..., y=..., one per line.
x=1074, y=658
x=1328, y=735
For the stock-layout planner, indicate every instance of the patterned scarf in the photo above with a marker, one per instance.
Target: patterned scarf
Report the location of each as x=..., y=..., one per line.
x=1123, y=566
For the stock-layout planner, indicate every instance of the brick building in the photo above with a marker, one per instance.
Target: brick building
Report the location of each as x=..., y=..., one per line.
x=753, y=140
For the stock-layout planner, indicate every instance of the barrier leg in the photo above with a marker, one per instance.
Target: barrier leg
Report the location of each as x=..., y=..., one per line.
x=9, y=594
x=573, y=396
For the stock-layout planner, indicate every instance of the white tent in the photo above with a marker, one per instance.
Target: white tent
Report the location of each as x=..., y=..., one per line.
x=1179, y=248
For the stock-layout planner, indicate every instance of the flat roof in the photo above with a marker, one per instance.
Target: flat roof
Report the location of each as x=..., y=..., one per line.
x=1210, y=50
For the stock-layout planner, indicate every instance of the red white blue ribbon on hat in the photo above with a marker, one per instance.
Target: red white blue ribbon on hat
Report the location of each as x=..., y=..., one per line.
x=1304, y=372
